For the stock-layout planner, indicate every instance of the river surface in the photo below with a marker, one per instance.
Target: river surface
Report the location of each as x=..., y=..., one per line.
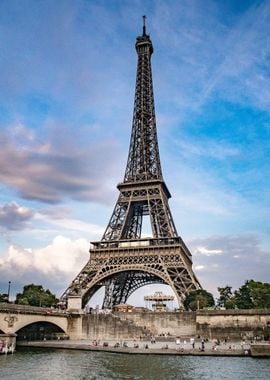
x=41, y=364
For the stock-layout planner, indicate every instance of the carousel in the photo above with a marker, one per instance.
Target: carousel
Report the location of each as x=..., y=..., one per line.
x=159, y=301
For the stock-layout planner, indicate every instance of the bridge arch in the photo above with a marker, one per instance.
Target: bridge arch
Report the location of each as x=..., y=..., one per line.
x=40, y=330
x=22, y=321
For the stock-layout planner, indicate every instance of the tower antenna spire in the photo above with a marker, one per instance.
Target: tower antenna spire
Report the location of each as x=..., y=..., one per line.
x=144, y=27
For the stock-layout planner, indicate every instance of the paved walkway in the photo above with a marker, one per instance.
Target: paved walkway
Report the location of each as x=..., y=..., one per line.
x=146, y=347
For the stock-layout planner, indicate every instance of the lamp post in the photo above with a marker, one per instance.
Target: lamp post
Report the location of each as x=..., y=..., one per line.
x=8, y=290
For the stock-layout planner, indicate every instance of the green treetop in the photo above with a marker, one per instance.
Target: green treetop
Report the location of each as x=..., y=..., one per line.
x=36, y=295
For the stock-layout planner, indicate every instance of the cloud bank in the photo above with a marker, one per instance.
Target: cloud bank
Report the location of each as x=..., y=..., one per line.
x=55, y=265
x=14, y=217
x=230, y=260
x=54, y=169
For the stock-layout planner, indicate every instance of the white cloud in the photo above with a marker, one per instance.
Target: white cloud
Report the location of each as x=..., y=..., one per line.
x=54, y=170
x=230, y=260
x=55, y=264
x=194, y=149
x=199, y=267
x=15, y=217
x=207, y=252
x=69, y=224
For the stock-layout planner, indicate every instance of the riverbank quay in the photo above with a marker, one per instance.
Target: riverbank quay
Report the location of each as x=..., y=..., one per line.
x=144, y=348
x=260, y=350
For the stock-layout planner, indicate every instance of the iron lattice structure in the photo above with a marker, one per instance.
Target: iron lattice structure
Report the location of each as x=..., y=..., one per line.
x=123, y=261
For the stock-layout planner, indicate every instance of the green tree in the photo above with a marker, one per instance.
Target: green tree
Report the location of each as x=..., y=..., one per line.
x=199, y=299
x=260, y=293
x=226, y=298
x=3, y=297
x=243, y=298
x=36, y=295
x=253, y=295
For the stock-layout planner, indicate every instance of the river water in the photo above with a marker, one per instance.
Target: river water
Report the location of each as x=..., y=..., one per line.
x=40, y=364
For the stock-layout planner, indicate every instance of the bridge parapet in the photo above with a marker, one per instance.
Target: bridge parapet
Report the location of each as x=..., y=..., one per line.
x=26, y=309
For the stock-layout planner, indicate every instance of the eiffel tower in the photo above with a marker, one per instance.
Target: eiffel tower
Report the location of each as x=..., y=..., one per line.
x=123, y=260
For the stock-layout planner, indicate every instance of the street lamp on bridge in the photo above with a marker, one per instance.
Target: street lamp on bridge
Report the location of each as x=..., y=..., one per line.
x=8, y=293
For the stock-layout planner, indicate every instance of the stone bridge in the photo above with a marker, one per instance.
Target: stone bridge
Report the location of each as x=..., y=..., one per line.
x=16, y=318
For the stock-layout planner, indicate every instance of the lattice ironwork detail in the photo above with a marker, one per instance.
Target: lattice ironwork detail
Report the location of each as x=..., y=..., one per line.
x=123, y=261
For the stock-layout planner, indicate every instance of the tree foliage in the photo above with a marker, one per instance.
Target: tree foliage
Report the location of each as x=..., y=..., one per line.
x=251, y=295
x=3, y=297
x=36, y=295
x=225, y=299
x=199, y=299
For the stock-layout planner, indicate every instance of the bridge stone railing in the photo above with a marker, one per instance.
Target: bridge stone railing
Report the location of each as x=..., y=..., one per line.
x=26, y=309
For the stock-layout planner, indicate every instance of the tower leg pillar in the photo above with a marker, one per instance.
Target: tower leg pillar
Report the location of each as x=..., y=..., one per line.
x=74, y=303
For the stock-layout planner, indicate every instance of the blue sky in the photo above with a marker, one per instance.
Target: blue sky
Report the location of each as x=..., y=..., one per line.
x=66, y=100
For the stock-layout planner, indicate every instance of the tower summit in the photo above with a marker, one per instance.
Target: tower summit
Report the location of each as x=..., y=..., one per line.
x=143, y=160
x=123, y=260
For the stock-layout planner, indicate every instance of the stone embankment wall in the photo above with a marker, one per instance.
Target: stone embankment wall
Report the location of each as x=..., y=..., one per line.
x=110, y=326
x=235, y=324
x=260, y=350
x=164, y=323
x=219, y=324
